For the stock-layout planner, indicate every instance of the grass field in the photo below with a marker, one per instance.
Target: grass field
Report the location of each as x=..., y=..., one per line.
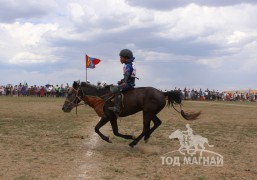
x=39, y=141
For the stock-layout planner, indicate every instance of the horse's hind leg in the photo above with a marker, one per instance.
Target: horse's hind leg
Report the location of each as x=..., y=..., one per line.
x=157, y=122
x=100, y=124
x=147, y=120
x=115, y=129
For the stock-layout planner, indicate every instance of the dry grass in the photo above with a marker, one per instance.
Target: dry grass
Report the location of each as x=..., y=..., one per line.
x=39, y=141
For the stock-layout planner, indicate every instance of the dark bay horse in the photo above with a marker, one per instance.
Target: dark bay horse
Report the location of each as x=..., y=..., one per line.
x=147, y=99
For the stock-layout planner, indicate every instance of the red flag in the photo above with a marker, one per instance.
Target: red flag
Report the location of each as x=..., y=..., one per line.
x=91, y=62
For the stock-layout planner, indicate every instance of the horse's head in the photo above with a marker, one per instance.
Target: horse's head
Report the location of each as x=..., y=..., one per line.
x=73, y=98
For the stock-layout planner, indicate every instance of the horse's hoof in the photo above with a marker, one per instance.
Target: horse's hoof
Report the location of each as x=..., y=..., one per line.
x=108, y=140
x=131, y=145
x=146, y=141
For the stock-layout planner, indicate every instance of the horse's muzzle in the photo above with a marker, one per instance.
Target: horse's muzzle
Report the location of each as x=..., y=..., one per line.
x=65, y=109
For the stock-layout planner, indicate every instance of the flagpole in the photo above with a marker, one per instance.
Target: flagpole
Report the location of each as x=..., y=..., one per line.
x=86, y=66
x=86, y=74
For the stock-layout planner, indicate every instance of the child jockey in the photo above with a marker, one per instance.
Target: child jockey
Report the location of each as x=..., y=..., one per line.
x=128, y=82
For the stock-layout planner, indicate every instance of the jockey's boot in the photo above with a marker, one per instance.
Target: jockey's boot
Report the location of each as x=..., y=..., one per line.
x=117, y=104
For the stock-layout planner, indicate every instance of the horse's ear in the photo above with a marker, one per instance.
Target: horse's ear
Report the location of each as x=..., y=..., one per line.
x=76, y=84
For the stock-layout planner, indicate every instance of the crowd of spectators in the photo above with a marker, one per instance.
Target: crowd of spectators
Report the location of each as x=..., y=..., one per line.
x=39, y=91
x=186, y=94
x=207, y=94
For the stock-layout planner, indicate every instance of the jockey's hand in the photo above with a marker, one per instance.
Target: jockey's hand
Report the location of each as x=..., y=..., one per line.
x=123, y=85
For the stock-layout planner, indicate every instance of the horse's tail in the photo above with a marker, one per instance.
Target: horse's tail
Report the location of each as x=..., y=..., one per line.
x=174, y=97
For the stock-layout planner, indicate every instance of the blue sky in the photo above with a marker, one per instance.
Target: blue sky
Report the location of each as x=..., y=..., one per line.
x=193, y=44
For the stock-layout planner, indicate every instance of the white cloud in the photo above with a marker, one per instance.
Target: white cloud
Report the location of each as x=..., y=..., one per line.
x=162, y=57
x=248, y=57
x=214, y=63
x=30, y=58
x=206, y=23
x=25, y=43
x=76, y=12
x=243, y=60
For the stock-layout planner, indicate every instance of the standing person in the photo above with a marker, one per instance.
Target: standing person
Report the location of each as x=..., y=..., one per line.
x=38, y=91
x=42, y=91
x=35, y=90
x=19, y=89
x=1, y=90
x=53, y=91
x=128, y=82
x=23, y=90
x=61, y=91
x=57, y=90
x=66, y=90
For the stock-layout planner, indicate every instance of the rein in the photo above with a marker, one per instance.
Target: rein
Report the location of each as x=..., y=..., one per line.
x=94, y=101
x=81, y=98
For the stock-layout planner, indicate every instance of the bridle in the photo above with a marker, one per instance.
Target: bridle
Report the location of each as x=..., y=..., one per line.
x=81, y=97
x=73, y=101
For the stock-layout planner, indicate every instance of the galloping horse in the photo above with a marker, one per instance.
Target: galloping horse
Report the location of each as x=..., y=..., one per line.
x=147, y=99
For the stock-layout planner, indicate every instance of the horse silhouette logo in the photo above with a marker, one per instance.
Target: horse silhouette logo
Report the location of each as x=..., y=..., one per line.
x=189, y=142
x=191, y=148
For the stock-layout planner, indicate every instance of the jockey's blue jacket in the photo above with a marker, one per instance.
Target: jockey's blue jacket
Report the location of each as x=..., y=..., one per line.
x=129, y=72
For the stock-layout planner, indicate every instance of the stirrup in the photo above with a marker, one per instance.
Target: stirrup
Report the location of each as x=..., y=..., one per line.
x=114, y=109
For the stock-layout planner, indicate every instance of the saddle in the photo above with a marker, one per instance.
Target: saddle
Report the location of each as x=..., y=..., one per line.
x=117, y=101
x=112, y=98
x=98, y=103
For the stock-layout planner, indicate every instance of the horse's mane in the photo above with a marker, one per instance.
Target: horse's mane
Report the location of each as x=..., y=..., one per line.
x=96, y=90
x=86, y=84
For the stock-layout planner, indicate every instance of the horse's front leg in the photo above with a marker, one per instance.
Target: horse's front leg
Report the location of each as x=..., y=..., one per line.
x=100, y=124
x=115, y=129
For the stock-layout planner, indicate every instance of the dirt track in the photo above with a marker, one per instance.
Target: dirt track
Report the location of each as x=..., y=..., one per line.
x=118, y=161
x=50, y=144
